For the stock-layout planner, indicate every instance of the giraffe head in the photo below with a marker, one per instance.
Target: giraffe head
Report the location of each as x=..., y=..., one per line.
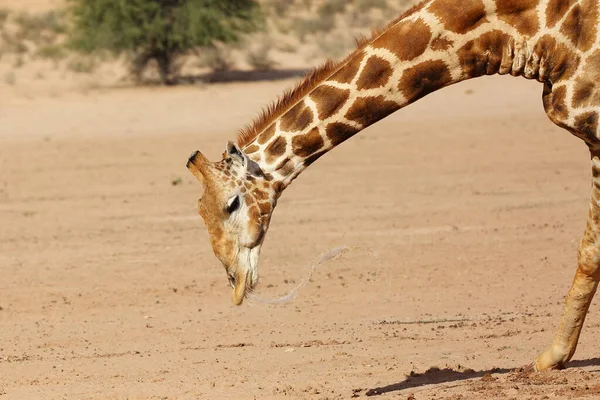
x=236, y=207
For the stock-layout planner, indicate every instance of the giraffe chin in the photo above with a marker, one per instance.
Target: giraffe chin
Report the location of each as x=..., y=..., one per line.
x=239, y=292
x=246, y=278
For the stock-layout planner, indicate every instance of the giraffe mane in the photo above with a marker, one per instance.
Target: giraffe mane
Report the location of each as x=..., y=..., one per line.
x=291, y=96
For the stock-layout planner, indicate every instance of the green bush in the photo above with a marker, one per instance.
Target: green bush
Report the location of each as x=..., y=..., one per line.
x=51, y=52
x=159, y=30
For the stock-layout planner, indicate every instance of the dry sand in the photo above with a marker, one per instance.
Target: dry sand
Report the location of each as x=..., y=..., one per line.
x=474, y=201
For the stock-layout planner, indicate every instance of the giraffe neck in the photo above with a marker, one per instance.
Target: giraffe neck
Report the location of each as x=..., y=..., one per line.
x=438, y=43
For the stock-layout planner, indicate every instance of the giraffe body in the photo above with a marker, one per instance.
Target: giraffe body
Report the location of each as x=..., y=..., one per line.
x=433, y=45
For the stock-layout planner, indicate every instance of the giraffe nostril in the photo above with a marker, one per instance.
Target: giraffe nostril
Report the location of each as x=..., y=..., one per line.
x=232, y=280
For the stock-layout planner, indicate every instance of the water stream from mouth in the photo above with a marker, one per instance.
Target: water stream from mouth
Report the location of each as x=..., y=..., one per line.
x=332, y=254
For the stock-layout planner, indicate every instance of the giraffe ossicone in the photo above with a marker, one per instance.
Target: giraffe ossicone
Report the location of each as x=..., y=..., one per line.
x=435, y=44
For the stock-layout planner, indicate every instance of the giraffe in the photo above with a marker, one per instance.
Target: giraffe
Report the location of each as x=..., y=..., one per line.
x=435, y=44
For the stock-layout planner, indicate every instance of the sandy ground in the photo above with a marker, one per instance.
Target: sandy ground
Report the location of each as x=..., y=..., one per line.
x=32, y=5
x=473, y=201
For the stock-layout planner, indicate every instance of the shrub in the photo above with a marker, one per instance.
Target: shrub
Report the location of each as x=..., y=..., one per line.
x=159, y=30
x=51, y=52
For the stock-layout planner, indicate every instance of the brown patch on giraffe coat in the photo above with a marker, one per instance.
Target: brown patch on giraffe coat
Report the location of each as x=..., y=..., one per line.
x=259, y=194
x=306, y=144
x=285, y=168
x=580, y=25
x=264, y=207
x=483, y=55
x=558, y=110
x=251, y=149
x=585, y=91
x=407, y=39
x=367, y=110
x=375, y=74
x=587, y=123
x=329, y=100
x=267, y=134
x=423, y=79
x=349, y=71
x=275, y=150
x=337, y=132
x=557, y=61
x=441, y=43
x=555, y=10
x=459, y=16
x=520, y=14
x=297, y=118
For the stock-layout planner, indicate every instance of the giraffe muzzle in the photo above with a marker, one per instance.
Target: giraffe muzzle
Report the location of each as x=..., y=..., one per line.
x=239, y=283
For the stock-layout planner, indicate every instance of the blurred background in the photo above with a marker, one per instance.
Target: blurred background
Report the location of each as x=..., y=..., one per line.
x=54, y=46
x=472, y=199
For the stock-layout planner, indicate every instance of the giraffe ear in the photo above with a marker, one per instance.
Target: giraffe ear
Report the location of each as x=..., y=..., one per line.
x=236, y=153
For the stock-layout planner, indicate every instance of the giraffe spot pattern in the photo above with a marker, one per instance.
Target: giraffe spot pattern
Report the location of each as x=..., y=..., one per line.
x=424, y=78
x=407, y=39
x=587, y=123
x=252, y=148
x=441, y=43
x=375, y=74
x=520, y=14
x=329, y=100
x=483, y=55
x=557, y=61
x=275, y=149
x=458, y=15
x=555, y=10
x=349, y=71
x=367, y=110
x=264, y=207
x=267, y=134
x=259, y=194
x=297, y=118
x=586, y=91
x=286, y=167
x=304, y=145
x=580, y=25
x=337, y=132
x=558, y=102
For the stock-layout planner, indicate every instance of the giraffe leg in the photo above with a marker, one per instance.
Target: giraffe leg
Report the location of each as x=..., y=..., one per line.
x=584, y=285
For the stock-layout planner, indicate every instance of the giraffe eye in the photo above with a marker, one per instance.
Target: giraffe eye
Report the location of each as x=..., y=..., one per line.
x=233, y=204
